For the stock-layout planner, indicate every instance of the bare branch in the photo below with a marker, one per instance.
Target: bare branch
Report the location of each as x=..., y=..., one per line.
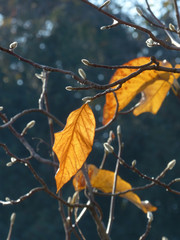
x=13, y=119
x=148, y=226
x=111, y=211
x=177, y=14
x=12, y=220
x=23, y=197
x=135, y=26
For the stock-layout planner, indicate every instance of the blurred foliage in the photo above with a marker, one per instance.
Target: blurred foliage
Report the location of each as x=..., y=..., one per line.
x=60, y=34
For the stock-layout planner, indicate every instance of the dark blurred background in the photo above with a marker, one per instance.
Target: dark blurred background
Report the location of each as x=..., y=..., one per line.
x=60, y=34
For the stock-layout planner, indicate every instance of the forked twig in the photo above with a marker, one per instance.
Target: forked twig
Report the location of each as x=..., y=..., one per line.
x=112, y=204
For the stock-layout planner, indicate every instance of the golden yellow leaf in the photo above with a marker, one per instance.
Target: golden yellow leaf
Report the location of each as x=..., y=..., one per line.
x=73, y=145
x=103, y=180
x=154, y=85
x=155, y=93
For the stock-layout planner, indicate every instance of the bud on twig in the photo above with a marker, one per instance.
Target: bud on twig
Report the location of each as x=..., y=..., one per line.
x=149, y=216
x=118, y=130
x=108, y=148
x=85, y=62
x=9, y=164
x=7, y=199
x=172, y=27
x=1, y=108
x=13, y=160
x=110, y=138
x=106, y=3
x=151, y=43
x=171, y=164
x=139, y=11
x=133, y=164
x=164, y=238
x=69, y=199
x=87, y=99
x=31, y=124
x=13, y=45
x=103, y=28
x=28, y=126
x=82, y=73
x=69, y=88
x=12, y=218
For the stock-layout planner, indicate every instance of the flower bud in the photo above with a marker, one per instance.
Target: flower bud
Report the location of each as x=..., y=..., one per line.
x=103, y=28
x=139, y=11
x=13, y=45
x=87, y=99
x=164, y=238
x=85, y=62
x=12, y=218
x=9, y=164
x=31, y=124
x=13, y=160
x=150, y=42
x=82, y=73
x=172, y=27
x=133, y=164
x=108, y=148
x=69, y=88
x=119, y=130
x=106, y=3
x=171, y=164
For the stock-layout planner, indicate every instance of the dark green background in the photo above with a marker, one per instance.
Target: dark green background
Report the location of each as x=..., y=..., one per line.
x=60, y=34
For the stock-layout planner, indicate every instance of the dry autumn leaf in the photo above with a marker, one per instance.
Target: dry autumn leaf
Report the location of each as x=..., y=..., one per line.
x=153, y=84
x=73, y=145
x=103, y=180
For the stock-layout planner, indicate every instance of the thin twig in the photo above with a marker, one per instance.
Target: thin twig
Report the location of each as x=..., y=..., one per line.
x=154, y=16
x=26, y=144
x=177, y=14
x=48, y=68
x=112, y=204
x=155, y=181
x=148, y=228
x=167, y=30
x=50, y=122
x=27, y=111
x=63, y=216
x=161, y=175
x=22, y=198
x=135, y=26
x=95, y=65
x=174, y=181
x=114, y=117
x=12, y=220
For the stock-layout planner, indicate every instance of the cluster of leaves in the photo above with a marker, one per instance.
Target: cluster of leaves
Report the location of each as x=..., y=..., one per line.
x=73, y=145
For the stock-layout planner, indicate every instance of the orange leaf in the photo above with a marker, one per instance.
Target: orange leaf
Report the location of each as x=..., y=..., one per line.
x=103, y=180
x=154, y=85
x=73, y=145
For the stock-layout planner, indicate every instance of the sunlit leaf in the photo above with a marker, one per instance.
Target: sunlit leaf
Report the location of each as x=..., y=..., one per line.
x=153, y=84
x=103, y=181
x=73, y=145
